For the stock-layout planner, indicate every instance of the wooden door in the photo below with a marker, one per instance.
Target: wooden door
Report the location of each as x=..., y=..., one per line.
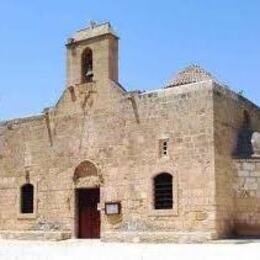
x=89, y=216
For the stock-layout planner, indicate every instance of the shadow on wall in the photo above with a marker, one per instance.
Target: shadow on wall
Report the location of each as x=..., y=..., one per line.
x=244, y=148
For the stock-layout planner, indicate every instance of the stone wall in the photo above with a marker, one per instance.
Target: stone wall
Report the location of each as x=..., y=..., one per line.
x=247, y=197
x=123, y=142
x=229, y=111
x=167, y=114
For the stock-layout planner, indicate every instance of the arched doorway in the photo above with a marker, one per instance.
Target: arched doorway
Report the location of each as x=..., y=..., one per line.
x=87, y=194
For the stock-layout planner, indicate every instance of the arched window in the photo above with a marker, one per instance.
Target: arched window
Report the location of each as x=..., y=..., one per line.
x=246, y=120
x=163, y=195
x=27, y=198
x=244, y=147
x=87, y=66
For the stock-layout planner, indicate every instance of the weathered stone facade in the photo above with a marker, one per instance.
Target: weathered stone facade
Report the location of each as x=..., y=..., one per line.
x=99, y=135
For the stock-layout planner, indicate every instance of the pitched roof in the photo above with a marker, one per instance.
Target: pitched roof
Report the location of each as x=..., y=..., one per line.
x=190, y=74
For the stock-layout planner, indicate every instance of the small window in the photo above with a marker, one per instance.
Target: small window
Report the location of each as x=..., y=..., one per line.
x=163, y=146
x=87, y=66
x=163, y=195
x=27, y=198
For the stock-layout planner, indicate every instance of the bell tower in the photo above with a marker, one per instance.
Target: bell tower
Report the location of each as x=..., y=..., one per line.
x=92, y=55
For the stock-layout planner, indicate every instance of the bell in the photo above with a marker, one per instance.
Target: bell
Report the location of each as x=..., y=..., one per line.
x=89, y=73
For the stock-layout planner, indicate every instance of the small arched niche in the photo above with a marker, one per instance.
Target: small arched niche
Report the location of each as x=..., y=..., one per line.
x=87, y=66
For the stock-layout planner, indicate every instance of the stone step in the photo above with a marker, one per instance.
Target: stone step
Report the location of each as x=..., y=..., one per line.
x=35, y=235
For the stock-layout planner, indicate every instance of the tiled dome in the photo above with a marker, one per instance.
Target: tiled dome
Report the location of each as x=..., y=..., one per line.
x=191, y=74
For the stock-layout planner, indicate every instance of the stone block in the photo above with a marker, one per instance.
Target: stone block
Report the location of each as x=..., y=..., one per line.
x=251, y=184
x=243, y=173
x=255, y=173
x=201, y=215
x=248, y=166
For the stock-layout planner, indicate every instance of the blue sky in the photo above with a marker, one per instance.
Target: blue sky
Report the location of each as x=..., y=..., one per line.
x=157, y=38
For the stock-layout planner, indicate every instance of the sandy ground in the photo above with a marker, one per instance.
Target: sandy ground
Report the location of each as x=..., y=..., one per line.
x=90, y=250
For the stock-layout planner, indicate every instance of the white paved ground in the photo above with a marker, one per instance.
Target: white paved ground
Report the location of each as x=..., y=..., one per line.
x=91, y=250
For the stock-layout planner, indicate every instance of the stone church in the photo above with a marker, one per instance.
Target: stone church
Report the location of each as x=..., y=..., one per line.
x=177, y=164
